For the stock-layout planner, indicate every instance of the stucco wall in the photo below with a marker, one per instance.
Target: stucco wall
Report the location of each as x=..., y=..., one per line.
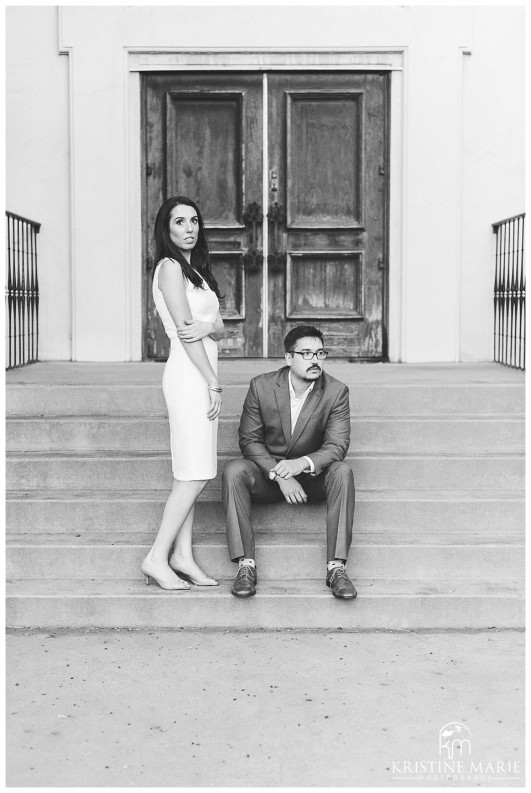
x=37, y=163
x=462, y=155
x=493, y=162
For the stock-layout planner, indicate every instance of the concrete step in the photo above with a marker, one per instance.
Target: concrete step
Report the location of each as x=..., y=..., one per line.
x=303, y=603
x=278, y=555
x=266, y=536
x=383, y=434
x=59, y=388
x=236, y=371
x=437, y=453
x=145, y=399
x=81, y=513
x=151, y=470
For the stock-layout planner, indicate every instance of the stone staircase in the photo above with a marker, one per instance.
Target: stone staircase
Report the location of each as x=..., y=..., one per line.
x=438, y=459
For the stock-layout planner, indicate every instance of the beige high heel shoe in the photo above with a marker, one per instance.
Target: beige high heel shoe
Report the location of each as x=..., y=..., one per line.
x=150, y=575
x=208, y=581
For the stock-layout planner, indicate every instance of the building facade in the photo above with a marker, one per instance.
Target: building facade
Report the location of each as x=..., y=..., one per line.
x=349, y=162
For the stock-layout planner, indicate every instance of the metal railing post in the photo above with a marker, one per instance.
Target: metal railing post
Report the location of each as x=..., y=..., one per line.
x=509, y=292
x=22, y=291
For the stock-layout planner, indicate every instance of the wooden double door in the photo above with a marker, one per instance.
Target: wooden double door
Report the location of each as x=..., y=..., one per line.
x=290, y=173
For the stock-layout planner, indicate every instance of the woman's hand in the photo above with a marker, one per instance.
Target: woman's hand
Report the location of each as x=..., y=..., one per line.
x=215, y=404
x=194, y=330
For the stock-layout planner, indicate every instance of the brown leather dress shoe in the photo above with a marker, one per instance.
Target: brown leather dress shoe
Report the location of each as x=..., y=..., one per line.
x=245, y=582
x=340, y=584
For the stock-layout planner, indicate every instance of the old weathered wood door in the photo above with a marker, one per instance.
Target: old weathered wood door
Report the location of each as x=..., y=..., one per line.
x=290, y=172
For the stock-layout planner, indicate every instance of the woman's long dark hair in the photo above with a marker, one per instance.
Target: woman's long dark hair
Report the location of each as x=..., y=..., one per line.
x=165, y=248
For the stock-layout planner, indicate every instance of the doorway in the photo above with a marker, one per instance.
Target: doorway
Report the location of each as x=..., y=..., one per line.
x=290, y=171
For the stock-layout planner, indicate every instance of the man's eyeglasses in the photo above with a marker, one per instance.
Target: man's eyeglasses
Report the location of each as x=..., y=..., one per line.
x=308, y=354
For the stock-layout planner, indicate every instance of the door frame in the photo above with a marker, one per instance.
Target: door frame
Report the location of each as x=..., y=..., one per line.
x=392, y=60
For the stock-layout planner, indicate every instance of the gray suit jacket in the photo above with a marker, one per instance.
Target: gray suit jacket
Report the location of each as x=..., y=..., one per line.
x=322, y=431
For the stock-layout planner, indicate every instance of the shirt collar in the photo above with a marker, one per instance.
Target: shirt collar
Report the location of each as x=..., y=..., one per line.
x=292, y=393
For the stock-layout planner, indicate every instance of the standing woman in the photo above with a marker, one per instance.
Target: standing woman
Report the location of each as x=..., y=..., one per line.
x=186, y=296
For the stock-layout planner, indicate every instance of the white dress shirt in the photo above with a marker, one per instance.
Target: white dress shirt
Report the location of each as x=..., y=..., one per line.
x=296, y=404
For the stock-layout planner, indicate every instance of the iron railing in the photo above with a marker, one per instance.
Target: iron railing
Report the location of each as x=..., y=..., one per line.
x=509, y=292
x=22, y=291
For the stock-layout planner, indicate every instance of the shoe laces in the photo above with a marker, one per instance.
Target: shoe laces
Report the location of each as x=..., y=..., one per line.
x=246, y=571
x=338, y=572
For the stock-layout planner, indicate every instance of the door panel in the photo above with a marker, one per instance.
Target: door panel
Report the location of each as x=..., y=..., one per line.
x=204, y=141
x=204, y=153
x=327, y=155
x=312, y=281
x=323, y=190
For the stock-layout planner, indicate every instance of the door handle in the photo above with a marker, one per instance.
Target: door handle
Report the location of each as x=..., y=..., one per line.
x=273, y=181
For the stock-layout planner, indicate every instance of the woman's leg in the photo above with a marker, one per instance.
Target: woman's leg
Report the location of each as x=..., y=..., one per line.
x=182, y=558
x=182, y=550
x=178, y=507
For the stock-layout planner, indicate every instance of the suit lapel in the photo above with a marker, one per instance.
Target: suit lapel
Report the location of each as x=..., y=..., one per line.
x=283, y=403
x=311, y=402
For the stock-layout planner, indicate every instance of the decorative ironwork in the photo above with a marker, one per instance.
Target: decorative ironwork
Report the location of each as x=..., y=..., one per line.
x=509, y=293
x=22, y=291
x=276, y=258
x=253, y=213
x=253, y=216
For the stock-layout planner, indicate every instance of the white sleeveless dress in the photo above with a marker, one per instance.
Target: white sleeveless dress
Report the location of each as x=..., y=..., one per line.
x=193, y=437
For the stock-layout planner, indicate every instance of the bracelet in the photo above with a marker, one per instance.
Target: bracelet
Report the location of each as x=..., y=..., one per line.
x=217, y=390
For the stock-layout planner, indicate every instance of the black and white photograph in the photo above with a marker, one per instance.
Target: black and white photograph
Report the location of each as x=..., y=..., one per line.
x=265, y=395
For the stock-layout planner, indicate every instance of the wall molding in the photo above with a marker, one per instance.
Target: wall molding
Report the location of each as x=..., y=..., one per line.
x=165, y=59
x=68, y=51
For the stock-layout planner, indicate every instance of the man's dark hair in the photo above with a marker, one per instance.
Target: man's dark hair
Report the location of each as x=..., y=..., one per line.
x=301, y=332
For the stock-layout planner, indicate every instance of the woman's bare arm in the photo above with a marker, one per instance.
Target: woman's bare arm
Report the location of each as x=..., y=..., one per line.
x=195, y=329
x=172, y=286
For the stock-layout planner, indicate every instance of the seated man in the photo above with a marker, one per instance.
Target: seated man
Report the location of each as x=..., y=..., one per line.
x=294, y=435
